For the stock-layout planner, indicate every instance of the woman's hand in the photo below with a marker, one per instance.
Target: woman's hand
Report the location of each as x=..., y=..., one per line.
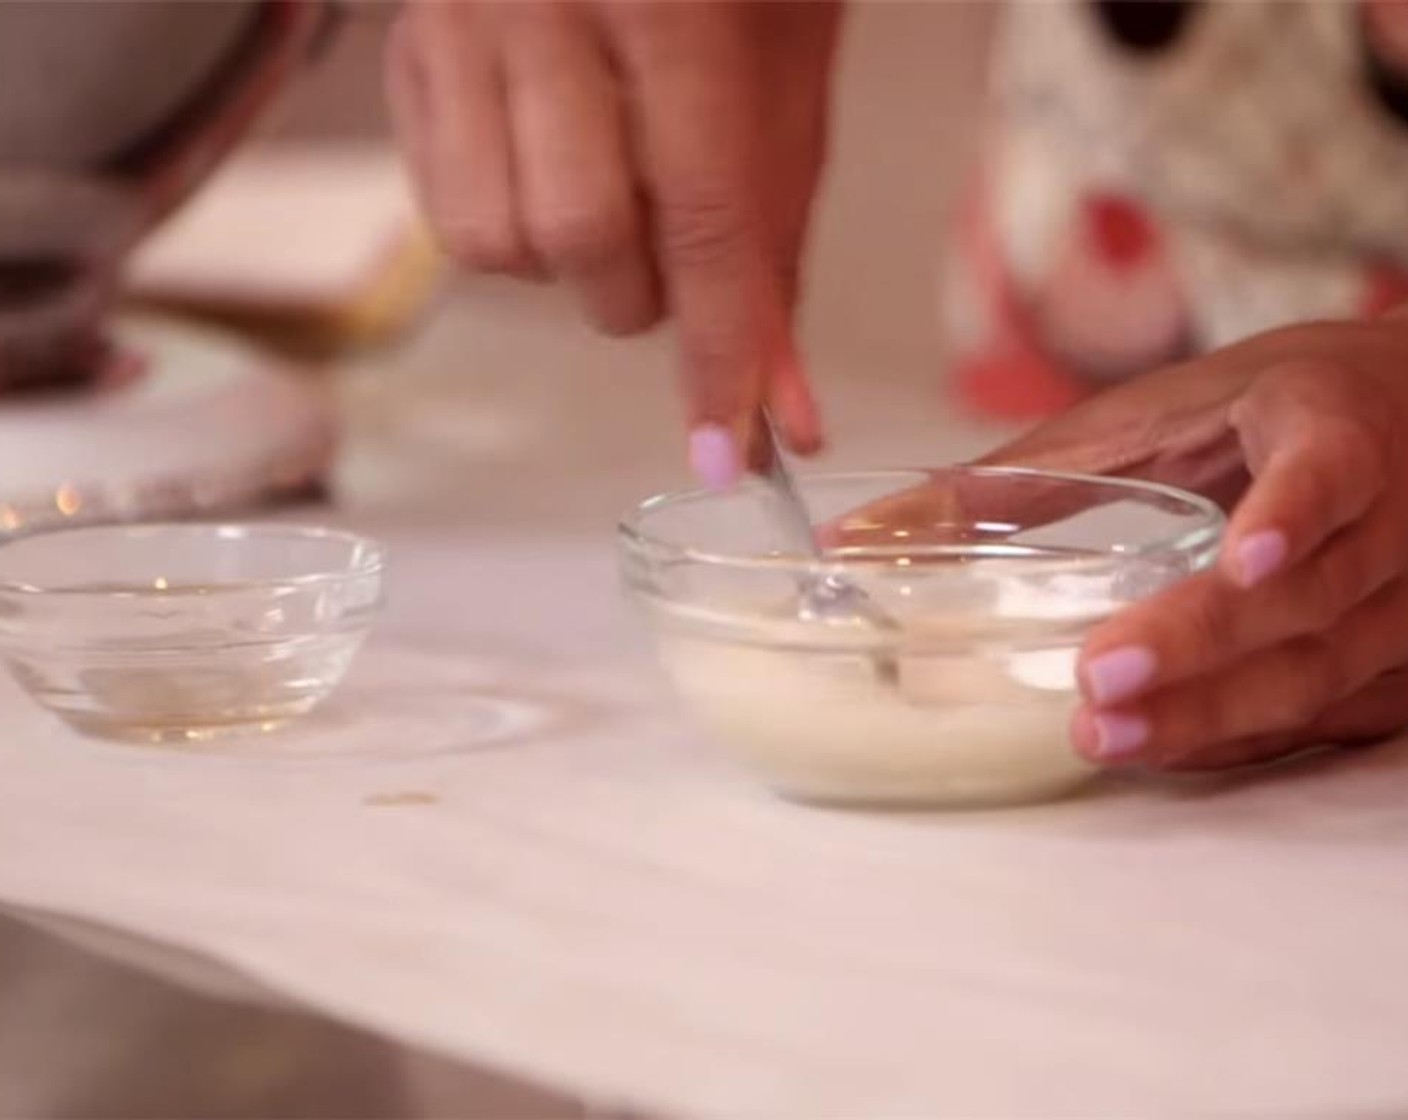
x=659, y=157
x=1300, y=635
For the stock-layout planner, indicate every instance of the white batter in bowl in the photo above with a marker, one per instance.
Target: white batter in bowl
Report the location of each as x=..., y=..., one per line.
x=994, y=576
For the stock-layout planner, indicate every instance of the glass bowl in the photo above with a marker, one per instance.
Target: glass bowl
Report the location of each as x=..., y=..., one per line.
x=181, y=632
x=994, y=576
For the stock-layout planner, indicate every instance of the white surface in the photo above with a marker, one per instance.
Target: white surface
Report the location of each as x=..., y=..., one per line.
x=592, y=898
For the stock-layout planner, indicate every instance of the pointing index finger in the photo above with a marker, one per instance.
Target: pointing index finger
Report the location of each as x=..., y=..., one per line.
x=696, y=113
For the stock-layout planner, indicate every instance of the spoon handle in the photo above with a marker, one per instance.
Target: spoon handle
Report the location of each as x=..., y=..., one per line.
x=789, y=510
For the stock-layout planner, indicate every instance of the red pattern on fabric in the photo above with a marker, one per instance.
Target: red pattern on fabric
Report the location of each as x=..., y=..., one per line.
x=1119, y=231
x=1008, y=375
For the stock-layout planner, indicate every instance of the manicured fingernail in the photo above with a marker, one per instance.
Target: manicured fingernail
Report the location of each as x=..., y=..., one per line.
x=1259, y=555
x=713, y=455
x=1120, y=674
x=1110, y=736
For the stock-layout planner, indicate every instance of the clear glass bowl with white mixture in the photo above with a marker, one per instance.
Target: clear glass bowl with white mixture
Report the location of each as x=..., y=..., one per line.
x=994, y=575
x=182, y=632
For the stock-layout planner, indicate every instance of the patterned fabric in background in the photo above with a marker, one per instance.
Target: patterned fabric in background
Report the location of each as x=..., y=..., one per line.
x=1166, y=176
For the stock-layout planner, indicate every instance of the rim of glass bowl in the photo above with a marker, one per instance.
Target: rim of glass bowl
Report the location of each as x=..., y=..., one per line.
x=373, y=563
x=1207, y=534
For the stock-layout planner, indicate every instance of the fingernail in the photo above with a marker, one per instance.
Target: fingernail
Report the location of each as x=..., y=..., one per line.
x=1120, y=674
x=1259, y=555
x=713, y=455
x=1110, y=736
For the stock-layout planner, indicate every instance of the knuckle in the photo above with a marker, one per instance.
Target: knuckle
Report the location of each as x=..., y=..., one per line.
x=585, y=237
x=1316, y=491
x=1349, y=409
x=671, y=35
x=483, y=248
x=1319, y=670
x=1309, y=378
x=1359, y=450
x=1331, y=583
x=649, y=28
x=407, y=20
x=1330, y=672
x=1204, y=625
x=1220, y=719
x=1181, y=734
x=396, y=47
x=1369, y=454
x=704, y=229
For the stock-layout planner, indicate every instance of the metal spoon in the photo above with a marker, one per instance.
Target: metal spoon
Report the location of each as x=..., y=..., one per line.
x=822, y=596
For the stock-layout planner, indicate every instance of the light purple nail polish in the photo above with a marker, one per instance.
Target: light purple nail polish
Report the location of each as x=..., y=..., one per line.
x=1119, y=736
x=1259, y=555
x=713, y=455
x=1119, y=674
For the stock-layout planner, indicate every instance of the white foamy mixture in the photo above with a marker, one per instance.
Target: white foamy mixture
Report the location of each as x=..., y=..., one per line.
x=962, y=726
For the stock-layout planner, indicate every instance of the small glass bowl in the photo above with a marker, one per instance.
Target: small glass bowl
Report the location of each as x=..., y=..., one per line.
x=181, y=632
x=994, y=575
